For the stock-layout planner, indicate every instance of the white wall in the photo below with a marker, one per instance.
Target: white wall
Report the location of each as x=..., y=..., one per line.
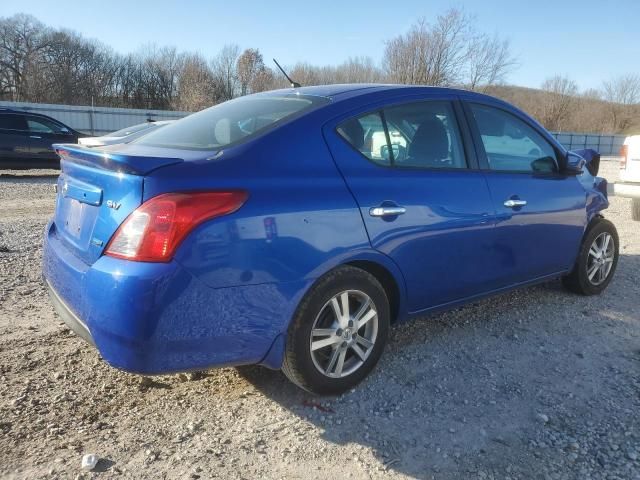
x=95, y=120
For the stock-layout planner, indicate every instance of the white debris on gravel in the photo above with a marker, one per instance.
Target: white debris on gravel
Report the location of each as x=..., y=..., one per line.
x=534, y=383
x=89, y=461
x=542, y=417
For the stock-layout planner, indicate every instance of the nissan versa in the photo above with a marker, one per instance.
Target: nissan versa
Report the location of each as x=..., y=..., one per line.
x=291, y=228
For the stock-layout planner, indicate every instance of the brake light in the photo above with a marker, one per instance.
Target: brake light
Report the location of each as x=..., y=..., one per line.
x=624, y=152
x=155, y=229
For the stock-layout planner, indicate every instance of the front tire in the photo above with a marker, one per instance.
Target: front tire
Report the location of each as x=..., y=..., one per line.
x=597, y=260
x=338, y=332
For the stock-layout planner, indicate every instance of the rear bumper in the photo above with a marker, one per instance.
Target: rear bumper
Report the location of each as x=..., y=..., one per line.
x=72, y=321
x=154, y=318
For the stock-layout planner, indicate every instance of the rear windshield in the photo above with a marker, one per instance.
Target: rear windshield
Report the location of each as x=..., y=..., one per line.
x=230, y=122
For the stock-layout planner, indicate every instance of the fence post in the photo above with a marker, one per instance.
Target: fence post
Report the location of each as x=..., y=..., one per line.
x=93, y=132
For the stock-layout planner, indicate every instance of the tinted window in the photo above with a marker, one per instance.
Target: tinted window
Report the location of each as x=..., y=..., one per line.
x=230, y=122
x=421, y=134
x=42, y=125
x=425, y=134
x=12, y=121
x=366, y=134
x=511, y=144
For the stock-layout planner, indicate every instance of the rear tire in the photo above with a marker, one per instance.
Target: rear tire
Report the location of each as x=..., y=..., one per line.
x=329, y=351
x=635, y=209
x=597, y=259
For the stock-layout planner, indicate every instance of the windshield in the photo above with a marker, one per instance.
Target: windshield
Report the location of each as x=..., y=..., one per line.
x=230, y=122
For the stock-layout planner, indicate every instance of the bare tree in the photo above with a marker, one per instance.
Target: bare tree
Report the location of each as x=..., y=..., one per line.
x=358, y=70
x=224, y=72
x=303, y=73
x=161, y=68
x=22, y=39
x=431, y=54
x=78, y=70
x=196, y=85
x=263, y=80
x=249, y=65
x=489, y=60
x=560, y=97
x=622, y=93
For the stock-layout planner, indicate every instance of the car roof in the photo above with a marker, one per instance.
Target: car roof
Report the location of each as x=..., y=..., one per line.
x=35, y=114
x=26, y=112
x=338, y=92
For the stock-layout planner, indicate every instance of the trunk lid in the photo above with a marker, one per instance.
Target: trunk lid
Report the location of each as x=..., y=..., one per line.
x=97, y=190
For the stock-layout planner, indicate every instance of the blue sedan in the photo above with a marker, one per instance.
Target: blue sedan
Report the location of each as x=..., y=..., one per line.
x=291, y=228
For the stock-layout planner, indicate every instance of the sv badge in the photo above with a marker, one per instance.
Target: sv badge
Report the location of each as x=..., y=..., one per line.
x=112, y=204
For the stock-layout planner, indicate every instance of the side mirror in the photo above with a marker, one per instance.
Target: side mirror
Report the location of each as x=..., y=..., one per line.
x=543, y=165
x=592, y=160
x=64, y=130
x=398, y=152
x=574, y=164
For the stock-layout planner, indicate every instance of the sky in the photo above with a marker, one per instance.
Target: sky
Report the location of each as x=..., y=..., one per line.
x=590, y=41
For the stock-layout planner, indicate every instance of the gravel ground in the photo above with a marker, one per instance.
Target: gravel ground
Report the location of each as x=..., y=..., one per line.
x=538, y=383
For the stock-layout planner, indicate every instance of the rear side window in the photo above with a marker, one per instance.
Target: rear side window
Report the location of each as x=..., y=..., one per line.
x=511, y=144
x=367, y=135
x=12, y=121
x=230, y=122
x=419, y=135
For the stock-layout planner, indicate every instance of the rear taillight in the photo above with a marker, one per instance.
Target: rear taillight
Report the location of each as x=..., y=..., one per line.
x=155, y=229
x=624, y=152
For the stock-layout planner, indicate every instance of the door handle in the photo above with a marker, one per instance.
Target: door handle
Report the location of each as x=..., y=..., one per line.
x=511, y=203
x=386, y=211
x=34, y=136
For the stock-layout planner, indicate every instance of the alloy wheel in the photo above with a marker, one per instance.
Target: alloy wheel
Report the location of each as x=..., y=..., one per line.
x=344, y=333
x=600, y=258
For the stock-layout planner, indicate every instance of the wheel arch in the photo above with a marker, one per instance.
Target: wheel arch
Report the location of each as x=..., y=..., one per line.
x=388, y=282
x=377, y=264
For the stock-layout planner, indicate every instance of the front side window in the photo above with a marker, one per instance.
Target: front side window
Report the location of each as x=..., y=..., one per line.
x=230, y=122
x=511, y=144
x=42, y=125
x=419, y=135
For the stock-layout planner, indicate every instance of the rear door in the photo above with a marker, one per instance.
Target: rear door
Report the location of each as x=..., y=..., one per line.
x=14, y=141
x=43, y=133
x=540, y=212
x=423, y=203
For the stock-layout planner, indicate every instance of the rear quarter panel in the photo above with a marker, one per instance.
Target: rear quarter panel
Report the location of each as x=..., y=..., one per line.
x=298, y=219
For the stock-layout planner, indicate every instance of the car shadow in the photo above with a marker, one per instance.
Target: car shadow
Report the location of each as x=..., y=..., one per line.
x=461, y=394
x=22, y=178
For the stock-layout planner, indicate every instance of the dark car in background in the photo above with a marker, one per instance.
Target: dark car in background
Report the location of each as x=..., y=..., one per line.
x=26, y=139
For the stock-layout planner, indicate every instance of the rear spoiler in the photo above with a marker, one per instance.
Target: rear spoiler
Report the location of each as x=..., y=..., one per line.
x=119, y=162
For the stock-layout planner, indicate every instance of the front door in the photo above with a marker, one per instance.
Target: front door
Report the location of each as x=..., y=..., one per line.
x=43, y=133
x=540, y=212
x=14, y=141
x=422, y=203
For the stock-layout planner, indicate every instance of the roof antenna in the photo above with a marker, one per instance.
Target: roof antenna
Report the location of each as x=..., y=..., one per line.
x=293, y=84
